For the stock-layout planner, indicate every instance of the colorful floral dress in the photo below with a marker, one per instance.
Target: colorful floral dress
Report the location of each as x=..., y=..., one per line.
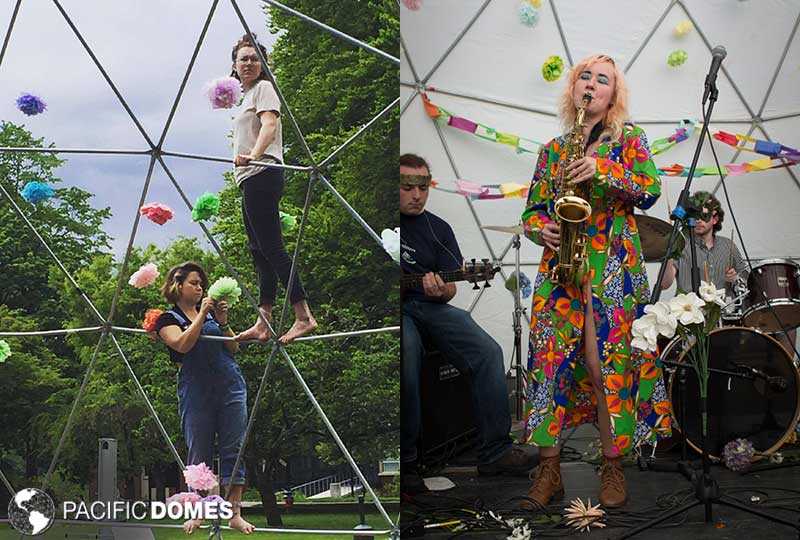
x=558, y=388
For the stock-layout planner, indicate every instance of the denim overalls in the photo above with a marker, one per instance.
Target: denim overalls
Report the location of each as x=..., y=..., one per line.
x=212, y=400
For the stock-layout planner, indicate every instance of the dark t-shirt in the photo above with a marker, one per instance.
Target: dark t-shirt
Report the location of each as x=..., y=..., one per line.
x=168, y=319
x=427, y=244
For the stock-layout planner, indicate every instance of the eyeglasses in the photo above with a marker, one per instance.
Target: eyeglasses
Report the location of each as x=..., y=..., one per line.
x=248, y=59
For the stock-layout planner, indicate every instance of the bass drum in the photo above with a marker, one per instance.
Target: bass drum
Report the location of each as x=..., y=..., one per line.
x=763, y=408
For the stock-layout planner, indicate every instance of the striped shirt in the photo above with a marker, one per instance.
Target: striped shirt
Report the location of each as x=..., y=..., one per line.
x=723, y=255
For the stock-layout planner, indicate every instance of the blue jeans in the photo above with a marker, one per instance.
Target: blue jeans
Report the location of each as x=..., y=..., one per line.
x=212, y=399
x=475, y=354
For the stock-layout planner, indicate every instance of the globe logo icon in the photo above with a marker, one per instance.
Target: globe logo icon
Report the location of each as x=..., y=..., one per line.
x=31, y=511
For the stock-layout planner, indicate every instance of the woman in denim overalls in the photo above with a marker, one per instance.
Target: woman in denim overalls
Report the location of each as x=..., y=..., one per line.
x=212, y=395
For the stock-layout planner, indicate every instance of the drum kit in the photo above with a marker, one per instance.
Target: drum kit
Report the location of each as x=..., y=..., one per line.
x=754, y=379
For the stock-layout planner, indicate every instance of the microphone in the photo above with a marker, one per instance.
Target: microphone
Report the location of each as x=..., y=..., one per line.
x=718, y=53
x=777, y=383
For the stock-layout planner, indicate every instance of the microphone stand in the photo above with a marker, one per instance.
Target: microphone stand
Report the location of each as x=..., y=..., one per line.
x=707, y=492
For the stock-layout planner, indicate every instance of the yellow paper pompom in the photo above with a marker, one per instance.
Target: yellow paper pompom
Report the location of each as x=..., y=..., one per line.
x=683, y=28
x=535, y=3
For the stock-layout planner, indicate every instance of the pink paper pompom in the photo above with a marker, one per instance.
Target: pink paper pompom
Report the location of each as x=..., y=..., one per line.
x=223, y=93
x=156, y=212
x=199, y=477
x=144, y=276
x=184, y=497
x=413, y=5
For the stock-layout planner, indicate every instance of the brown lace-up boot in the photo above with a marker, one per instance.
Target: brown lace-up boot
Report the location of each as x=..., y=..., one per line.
x=612, y=483
x=546, y=483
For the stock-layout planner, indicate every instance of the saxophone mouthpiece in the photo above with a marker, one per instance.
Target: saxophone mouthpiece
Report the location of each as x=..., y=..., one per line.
x=587, y=97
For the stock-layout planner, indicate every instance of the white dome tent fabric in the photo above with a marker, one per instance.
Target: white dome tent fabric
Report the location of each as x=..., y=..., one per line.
x=477, y=60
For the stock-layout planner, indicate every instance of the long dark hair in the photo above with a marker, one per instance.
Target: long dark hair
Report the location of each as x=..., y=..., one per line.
x=245, y=41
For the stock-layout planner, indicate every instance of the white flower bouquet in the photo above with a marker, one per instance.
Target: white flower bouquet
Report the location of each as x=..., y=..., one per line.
x=692, y=317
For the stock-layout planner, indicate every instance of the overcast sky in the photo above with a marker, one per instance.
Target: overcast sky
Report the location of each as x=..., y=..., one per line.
x=145, y=46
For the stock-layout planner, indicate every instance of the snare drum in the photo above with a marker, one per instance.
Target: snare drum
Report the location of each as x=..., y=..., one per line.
x=776, y=281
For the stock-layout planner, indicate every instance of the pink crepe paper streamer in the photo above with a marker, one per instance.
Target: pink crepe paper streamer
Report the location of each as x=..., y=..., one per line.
x=463, y=123
x=469, y=188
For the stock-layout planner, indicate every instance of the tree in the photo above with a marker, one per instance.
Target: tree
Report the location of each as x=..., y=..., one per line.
x=71, y=226
x=333, y=89
x=31, y=383
x=35, y=380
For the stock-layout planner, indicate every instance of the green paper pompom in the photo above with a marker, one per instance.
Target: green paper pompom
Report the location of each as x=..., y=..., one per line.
x=288, y=222
x=225, y=288
x=552, y=68
x=677, y=57
x=5, y=350
x=206, y=206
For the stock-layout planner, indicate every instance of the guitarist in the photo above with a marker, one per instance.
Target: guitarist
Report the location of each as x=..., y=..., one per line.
x=428, y=246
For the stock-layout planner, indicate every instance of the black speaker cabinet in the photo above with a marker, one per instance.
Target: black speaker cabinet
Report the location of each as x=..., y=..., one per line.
x=448, y=420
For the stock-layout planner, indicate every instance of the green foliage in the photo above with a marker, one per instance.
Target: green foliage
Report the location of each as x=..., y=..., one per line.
x=334, y=88
x=31, y=383
x=68, y=222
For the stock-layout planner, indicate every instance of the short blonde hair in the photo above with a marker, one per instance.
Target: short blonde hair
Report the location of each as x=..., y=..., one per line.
x=617, y=113
x=177, y=275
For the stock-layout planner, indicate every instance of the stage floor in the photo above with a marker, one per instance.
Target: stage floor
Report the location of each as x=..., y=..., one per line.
x=649, y=493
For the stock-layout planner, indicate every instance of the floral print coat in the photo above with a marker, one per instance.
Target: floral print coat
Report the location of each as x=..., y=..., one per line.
x=558, y=387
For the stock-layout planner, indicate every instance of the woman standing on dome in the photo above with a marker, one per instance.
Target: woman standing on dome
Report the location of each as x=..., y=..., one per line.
x=257, y=136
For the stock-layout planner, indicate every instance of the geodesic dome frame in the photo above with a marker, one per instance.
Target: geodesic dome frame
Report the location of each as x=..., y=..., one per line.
x=156, y=152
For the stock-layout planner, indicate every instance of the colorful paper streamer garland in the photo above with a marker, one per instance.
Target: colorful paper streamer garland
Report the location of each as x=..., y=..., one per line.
x=779, y=155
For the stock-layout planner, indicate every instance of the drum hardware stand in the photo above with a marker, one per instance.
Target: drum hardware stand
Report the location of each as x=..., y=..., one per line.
x=707, y=491
x=519, y=311
x=744, y=292
x=516, y=359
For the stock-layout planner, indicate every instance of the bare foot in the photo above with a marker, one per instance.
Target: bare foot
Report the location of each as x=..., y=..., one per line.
x=258, y=331
x=300, y=328
x=240, y=524
x=191, y=525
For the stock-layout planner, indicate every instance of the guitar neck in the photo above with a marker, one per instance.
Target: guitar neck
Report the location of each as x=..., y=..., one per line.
x=409, y=281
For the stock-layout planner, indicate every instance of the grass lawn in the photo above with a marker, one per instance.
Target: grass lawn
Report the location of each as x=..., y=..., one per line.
x=290, y=521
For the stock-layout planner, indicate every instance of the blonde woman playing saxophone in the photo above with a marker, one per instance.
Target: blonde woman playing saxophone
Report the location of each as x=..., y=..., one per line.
x=581, y=367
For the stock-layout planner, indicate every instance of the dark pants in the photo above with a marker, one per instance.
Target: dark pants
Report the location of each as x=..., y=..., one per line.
x=474, y=353
x=260, y=196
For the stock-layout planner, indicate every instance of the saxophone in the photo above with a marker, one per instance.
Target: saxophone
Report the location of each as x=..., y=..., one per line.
x=572, y=209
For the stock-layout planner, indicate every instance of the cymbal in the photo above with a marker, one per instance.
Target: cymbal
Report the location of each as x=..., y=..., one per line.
x=514, y=229
x=654, y=234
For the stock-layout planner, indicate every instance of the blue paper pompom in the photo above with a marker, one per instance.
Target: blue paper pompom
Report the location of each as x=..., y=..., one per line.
x=30, y=104
x=524, y=284
x=35, y=192
x=528, y=15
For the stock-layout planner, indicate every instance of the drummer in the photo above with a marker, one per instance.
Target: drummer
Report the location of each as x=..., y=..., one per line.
x=718, y=258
